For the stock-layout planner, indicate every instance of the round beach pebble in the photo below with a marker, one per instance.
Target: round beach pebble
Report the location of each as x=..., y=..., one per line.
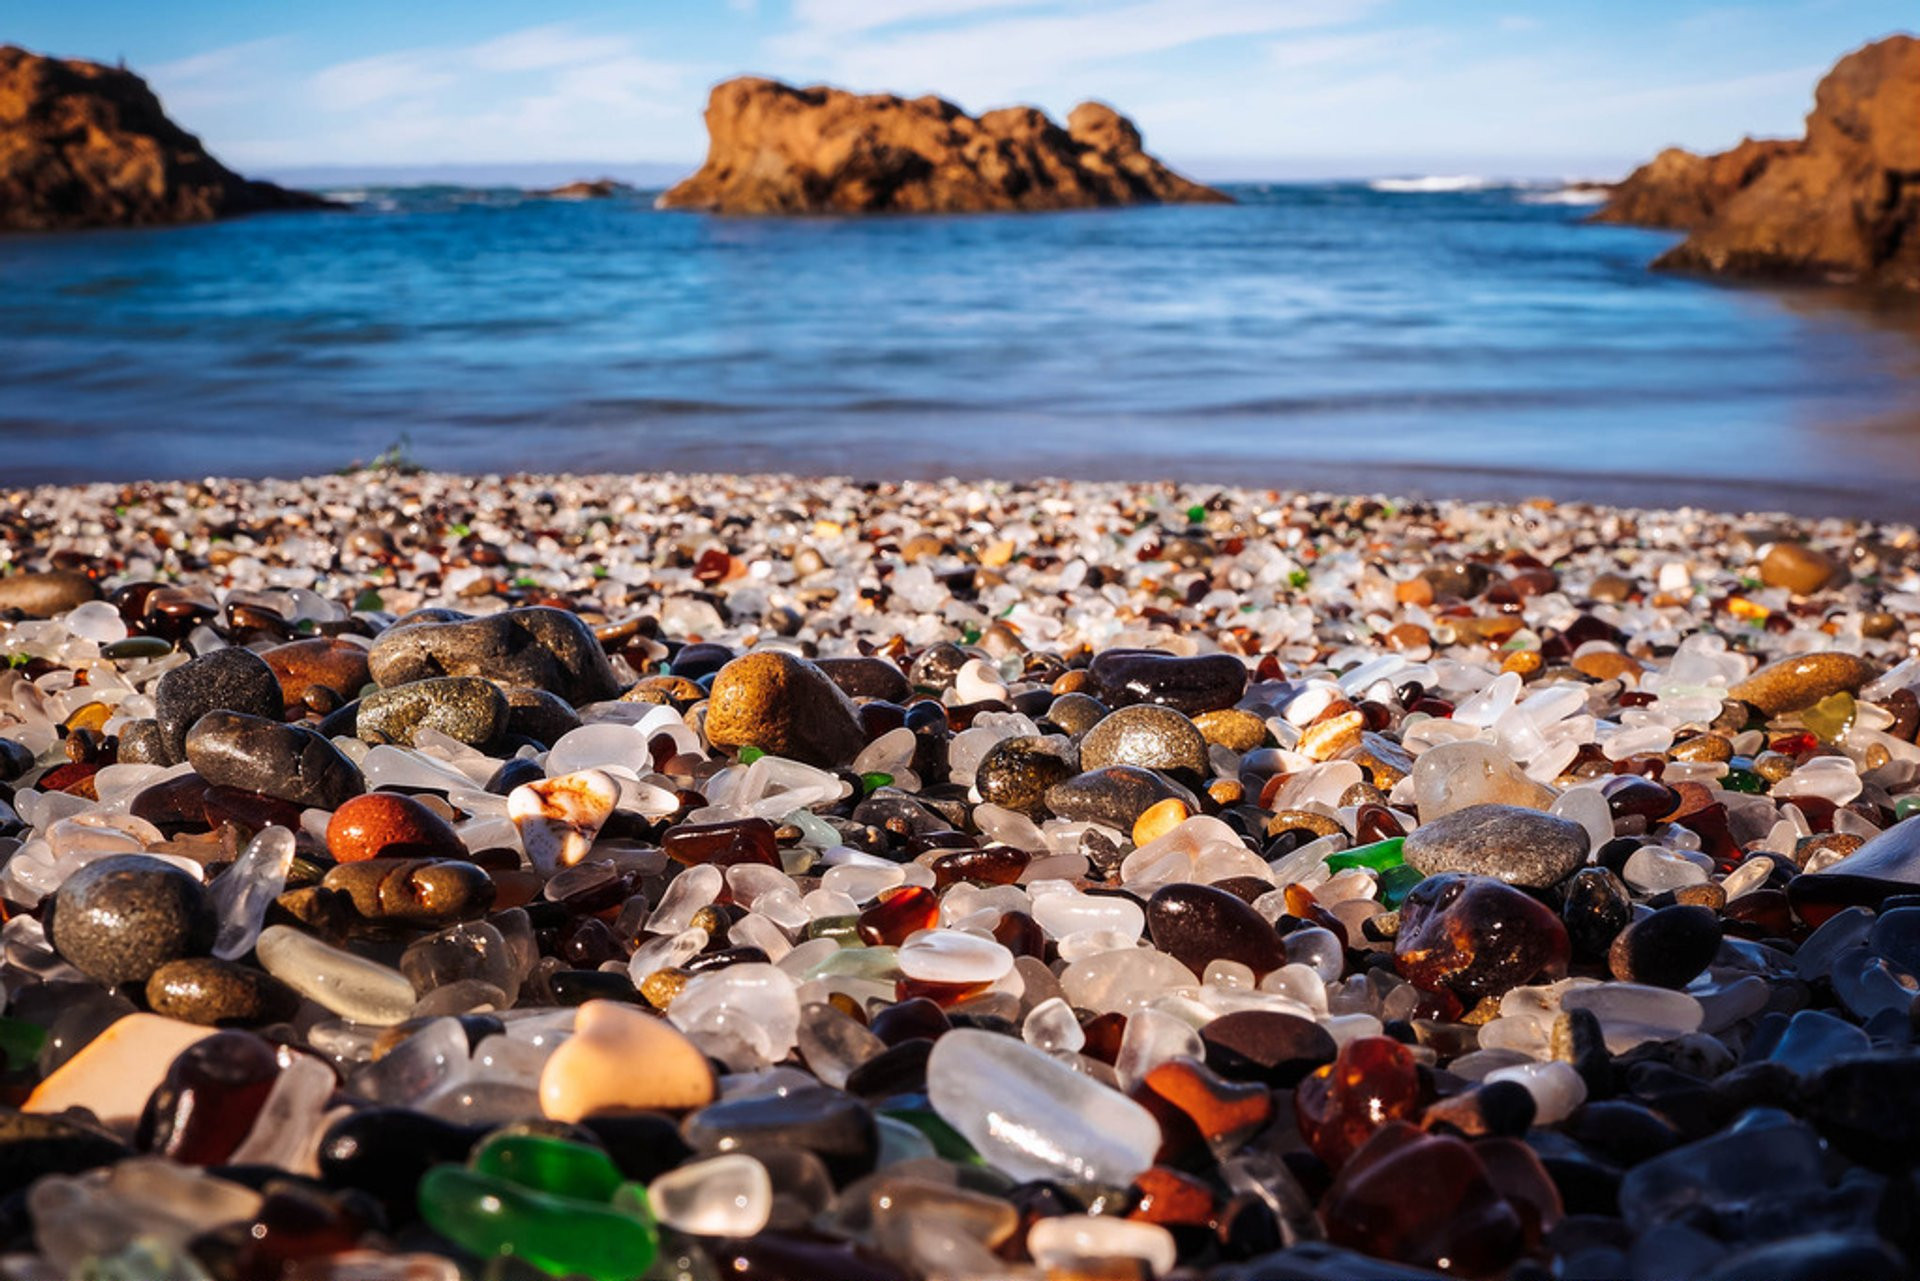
x=256, y=754
x=1114, y=795
x=545, y=648
x=212, y=992
x=466, y=708
x=1195, y=684
x=599, y=1068
x=781, y=703
x=1017, y=772
x=1196, y=924
x=1233, y=728
x=232, y=679
x=1146, y=735
x=1516, y=845
x=389, y=824
x=1801, y=569
x=1789, y=684
x=320, y=662
x=46, y=593
x=1668, y=948
x=120, y=918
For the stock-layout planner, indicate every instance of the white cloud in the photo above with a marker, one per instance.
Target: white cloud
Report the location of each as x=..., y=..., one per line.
x=536, y=48
x=868, y=15
x=549, y=92
x=1057, y=53
x=217, y=78
x=363, y=82
x=1318, y=52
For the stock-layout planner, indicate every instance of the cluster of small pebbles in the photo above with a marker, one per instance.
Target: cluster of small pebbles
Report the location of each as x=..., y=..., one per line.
x=415, y=878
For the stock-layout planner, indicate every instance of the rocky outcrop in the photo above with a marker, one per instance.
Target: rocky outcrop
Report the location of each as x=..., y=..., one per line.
x=775, y=149
x=1844, y=203
x=84, y=145
x=584, y=189
x=1683, y=190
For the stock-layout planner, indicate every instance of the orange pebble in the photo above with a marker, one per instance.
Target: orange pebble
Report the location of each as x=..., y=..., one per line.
x=1160, y=818
x=387, y=824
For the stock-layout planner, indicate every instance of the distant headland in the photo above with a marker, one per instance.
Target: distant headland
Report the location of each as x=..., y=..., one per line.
x=87, y=145
x=1841, y=204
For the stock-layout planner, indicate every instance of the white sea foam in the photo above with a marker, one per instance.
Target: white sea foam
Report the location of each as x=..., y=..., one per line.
x=1566, y=196
x=1435, y=183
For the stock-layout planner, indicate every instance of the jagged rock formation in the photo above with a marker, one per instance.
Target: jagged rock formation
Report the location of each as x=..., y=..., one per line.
x=1683, y=190
x=1841, y=204
x=776, y=149
x=85, y=145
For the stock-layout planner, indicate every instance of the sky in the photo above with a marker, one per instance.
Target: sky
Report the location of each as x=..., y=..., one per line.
x=1224, y=88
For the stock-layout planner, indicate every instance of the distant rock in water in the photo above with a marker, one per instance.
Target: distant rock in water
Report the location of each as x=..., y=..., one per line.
x=1841, y=204
x=775, y=149
x=1683, y=190
x=584, y=189
x=85, y=145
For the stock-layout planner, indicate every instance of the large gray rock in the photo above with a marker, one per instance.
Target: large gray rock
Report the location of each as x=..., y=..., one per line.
x=1516, y=845
x=544, y=648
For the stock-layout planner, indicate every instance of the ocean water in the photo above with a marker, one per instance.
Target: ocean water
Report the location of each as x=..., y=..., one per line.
x=1440, y=336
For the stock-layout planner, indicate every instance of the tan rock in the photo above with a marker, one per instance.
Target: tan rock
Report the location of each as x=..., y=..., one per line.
x=1803, y=680
x=1608, y=665
x=86, y=145
x=781, y=703
x=1683, y=190
x=113, y=1074
x=1801, y=569
x=585, y=189
x=622, y=1059
x=1842, y=203
x=1232, y=728
x=42, y=595
x=777, y=149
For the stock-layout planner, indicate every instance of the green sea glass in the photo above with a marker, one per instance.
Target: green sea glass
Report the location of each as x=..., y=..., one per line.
x=1377, y=857
x=560, y=1236
x=548, y=1165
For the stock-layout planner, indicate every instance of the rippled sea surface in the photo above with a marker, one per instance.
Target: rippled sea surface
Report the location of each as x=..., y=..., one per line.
x=1478, y=341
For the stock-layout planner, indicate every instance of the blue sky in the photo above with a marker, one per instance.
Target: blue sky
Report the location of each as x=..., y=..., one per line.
x=1227, y=88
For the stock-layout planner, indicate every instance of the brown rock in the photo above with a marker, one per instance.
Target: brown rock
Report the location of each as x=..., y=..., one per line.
x=781, y=703
x=586, y=189
x=42, y=595
x=390, y=825
x=1803, y=680
x=1801, y=569
x=1608, y=665
x=1232, y=728
x=1842, y=204
x=85, y=145
x=326, y=661
x=776, y=149
x=1682, y=190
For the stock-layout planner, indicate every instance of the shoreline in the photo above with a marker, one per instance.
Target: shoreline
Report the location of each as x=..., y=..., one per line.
x=1735, y=498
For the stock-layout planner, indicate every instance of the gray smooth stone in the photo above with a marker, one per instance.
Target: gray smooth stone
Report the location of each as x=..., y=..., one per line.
x=1516, y=845
x=466, y=708
x=545, y=648
x=254, y=754
x=232, y=679
x=121, y=917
